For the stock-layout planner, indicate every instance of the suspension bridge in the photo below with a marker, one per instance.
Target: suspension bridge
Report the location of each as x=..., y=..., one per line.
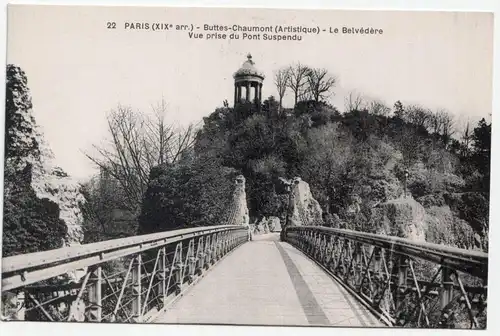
x=303, y=275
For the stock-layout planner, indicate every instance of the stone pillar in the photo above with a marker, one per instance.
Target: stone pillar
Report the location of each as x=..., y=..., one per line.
x=248, y=91
x=256, y=93
x=235, y=93
x=238, y=99
x=260, y=92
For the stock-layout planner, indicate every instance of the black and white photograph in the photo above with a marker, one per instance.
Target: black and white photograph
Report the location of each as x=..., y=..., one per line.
x=247, y=166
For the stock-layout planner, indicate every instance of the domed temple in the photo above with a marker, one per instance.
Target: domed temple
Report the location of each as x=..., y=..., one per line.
x=251, y=79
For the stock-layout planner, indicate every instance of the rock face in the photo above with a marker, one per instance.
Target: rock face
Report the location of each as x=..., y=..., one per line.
x=402, y=217
x=274, y=224
x=53, y=184
x=304, y=209
x=21, y=134
x=266, y=225
x=241, y=216
x=444, y=227
x=28, y=155
x=407, y=218
x=262, y=226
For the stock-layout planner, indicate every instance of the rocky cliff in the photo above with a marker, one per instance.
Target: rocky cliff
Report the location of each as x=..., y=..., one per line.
x=402, y=217
x=304, y=208
x=407, y=218
x=240, y=202
x=30, y=168
x=54, y=184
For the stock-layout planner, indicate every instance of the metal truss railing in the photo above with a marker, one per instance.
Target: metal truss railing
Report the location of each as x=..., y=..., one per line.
x=123, y=280
x=403, y=282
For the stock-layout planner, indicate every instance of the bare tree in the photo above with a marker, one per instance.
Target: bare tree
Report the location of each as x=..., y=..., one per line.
x=448, y=126
x=102, y=201
x=298, y=80
x=435, y=123
x=411, y=146
x=377, y=107
x=281, y=78
x=354, y=102
x=466, y=139
x=319, y=83
x=138, y=143
x=418, y=115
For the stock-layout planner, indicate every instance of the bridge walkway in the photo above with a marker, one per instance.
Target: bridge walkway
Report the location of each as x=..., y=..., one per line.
x=268, y=282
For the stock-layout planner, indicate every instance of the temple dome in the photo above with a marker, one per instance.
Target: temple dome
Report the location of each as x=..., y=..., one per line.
x=248, y=69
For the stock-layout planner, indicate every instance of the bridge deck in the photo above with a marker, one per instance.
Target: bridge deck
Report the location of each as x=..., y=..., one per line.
x=268, y=282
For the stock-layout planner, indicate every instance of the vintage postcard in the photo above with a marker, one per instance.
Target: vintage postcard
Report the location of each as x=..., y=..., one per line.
x=236, y=166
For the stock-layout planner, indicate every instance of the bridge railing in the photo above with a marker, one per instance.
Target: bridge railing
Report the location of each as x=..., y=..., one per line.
x=403, y=282
x=123, y=280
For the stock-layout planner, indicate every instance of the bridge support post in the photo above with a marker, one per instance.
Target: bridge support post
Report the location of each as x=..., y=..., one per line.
x=402, y=283
x=207, y=252
x=402, y=272
x=317, y=245
x=218, y=247
x=191, y=260
x=95, y=295
x=136, y=290
x=339, y=262
x=358, y=264
x=213, y=249
x=329, y=252
x=321, y=248
x=308, y=239
x=228, y=242
x=178, y=268
x=162, y=275
x=377, y=260
x=446, y=295
x=224, y=243
x=20, y=306
x=200, y=256
x=352, y=255
x=391, y=279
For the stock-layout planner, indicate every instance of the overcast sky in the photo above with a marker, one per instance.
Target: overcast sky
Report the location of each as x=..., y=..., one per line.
x=78, y=70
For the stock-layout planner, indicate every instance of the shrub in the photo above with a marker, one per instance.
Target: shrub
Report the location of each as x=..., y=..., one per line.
x=188, y=194
x=30, y=224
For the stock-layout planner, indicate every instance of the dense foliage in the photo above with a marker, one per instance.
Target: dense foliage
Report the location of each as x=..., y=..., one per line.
x=194, y=192
x=30, y=224
x=352, y=160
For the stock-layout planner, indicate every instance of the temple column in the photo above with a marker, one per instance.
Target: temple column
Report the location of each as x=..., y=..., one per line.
x=238, y=94
x=248, y=91
x=260, y=92
x=256, y=92
x=235, y=93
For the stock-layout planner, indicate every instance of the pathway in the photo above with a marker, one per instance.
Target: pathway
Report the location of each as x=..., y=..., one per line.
x=268, y=282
